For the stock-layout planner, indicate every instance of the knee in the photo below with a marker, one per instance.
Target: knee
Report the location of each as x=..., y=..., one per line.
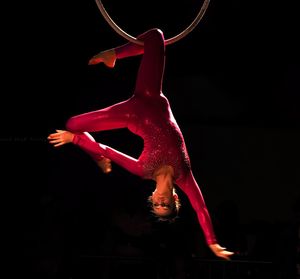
x=156, y=33
x=152, y=34
x=72, y=124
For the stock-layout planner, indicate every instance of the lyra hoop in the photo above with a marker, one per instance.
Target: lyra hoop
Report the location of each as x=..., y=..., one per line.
x=167, y=41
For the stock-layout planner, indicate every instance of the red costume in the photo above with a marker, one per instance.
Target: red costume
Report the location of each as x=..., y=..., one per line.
x=147, y=114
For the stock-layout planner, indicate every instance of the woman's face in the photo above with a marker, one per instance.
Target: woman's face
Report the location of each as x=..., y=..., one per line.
x=162, y=204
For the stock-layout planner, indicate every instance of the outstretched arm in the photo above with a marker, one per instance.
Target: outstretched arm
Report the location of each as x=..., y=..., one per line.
x=190, y=187
x=90, y=146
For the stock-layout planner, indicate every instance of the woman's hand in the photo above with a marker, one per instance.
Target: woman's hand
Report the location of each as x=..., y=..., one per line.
x=220, y=251
x=61, y=137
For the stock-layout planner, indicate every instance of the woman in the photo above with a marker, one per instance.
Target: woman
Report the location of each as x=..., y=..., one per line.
x=147, y=114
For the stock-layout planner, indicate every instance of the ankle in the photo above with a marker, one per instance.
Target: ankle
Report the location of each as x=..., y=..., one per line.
x=109, y=58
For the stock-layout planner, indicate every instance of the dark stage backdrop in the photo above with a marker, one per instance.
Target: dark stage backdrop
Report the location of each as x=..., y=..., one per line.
x=233, y=84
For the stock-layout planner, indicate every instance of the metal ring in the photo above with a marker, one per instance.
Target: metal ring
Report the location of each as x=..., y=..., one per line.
x=167, y=41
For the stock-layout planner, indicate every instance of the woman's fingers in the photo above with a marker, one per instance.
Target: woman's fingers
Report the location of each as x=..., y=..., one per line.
x=55, y=135
x=221, y=251
x=56, y=138
x=60, y=137
x=226, y=254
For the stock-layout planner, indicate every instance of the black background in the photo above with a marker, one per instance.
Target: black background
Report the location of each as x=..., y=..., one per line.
x=233, y=84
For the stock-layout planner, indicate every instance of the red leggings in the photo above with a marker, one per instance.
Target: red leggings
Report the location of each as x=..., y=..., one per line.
x=148, y=84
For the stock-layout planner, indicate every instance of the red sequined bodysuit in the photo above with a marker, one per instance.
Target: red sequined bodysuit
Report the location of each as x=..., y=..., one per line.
x=147, y=114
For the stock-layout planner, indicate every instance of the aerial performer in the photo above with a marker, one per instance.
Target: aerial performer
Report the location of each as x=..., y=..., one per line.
x=147, y=114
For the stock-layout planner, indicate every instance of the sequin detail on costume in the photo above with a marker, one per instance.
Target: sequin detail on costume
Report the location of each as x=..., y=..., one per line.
x=163, y=145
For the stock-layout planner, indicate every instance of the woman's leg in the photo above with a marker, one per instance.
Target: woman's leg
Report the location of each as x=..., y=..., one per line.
x=113, y=117
x=109, y=118
x=150, y=74
x=100, y=152
x=103, y=162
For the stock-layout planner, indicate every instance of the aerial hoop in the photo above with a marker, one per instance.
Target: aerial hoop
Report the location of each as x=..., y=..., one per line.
x=167, y=41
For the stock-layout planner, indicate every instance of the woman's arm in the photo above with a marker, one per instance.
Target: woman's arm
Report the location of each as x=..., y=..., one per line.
x=190, y=187
x=90, y=146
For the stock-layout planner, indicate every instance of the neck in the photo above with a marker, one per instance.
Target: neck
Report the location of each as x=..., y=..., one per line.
x=164, y=179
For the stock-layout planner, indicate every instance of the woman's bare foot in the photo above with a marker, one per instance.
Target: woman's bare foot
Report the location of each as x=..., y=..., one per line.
x=105, y=165
x=108, y=57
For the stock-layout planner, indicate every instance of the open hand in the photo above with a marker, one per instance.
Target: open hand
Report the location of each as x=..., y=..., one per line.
x=220, y=251
x=61, y=137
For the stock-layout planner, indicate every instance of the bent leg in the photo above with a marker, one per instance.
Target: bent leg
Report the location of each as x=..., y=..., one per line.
x=98, y=151
x=151, y=70
x=113, y=117
x=150, y=74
